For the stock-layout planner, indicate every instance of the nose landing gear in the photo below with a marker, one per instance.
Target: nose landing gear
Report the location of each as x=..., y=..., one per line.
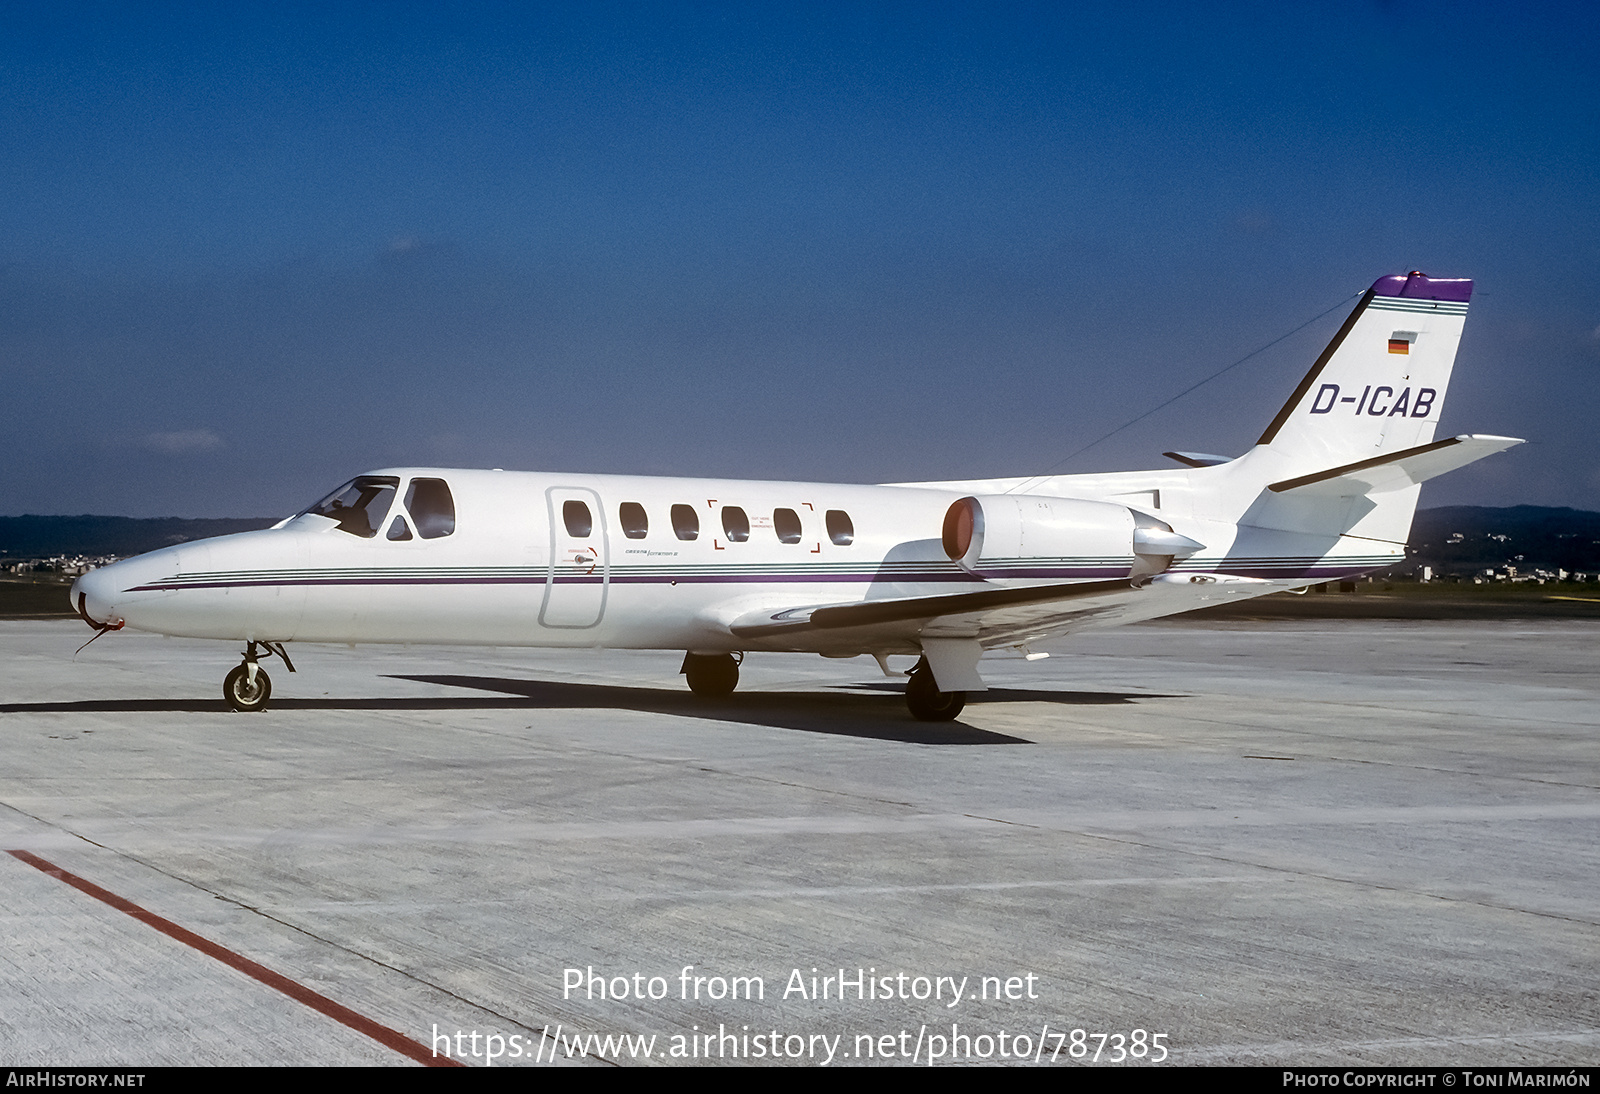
x=248, y=687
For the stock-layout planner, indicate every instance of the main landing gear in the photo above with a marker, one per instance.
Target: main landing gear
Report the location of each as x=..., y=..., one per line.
x=712, y=674
x=248, y=687
x=927, y=702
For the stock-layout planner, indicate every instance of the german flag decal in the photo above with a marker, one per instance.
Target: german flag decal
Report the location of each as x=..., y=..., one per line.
x=1399, y=345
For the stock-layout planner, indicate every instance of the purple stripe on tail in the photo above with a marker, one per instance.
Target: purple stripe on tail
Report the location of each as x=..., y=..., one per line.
x=1417, y=285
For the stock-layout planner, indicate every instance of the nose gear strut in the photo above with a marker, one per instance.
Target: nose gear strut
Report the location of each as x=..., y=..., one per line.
x=248, y=687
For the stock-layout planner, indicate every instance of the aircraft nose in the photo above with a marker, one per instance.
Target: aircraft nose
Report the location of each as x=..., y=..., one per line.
x=94, y=597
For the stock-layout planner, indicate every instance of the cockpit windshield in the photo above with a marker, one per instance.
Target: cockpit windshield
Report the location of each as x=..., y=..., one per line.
x=359, y=505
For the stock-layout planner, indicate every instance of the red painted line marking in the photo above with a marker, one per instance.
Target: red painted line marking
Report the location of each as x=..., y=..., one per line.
x=321, y=1003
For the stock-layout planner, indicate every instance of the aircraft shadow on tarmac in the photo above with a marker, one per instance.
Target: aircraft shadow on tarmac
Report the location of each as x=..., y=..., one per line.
x=872, y=711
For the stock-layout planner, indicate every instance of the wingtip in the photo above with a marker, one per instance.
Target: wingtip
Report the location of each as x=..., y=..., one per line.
x=1505, y=442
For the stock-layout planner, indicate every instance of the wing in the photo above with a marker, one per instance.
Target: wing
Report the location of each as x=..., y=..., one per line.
x=991, y=617
x=908, y=616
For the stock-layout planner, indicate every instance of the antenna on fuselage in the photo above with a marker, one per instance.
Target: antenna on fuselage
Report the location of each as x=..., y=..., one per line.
x=1192, y=387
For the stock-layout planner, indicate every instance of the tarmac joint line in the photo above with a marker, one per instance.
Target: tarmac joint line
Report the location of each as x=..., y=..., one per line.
x=385, y=1036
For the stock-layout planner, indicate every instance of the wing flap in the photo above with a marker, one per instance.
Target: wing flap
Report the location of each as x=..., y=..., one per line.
x=915, y=609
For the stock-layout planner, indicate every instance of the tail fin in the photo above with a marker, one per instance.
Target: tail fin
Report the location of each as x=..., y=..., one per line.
x=1380, y=385
x=1346, y=454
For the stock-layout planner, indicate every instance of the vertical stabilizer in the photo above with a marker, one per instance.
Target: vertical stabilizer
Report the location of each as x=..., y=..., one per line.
x=1376, y=390
x=1380, y=384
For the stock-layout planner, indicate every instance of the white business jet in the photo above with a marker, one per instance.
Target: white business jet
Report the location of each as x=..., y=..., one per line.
x=940, y=570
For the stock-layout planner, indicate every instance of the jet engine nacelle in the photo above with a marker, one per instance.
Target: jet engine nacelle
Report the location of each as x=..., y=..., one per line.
x=1027, y=536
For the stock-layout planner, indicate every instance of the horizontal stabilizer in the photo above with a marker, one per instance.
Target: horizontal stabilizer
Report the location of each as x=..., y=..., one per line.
x=1397, y=470
x=1197, y=459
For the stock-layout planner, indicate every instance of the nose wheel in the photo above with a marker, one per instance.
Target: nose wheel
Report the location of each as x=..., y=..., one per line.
x=248, y=687
x=247, y=690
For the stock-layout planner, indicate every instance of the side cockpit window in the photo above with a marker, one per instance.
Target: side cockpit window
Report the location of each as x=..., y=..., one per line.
x=359, y=505
x=432, y=509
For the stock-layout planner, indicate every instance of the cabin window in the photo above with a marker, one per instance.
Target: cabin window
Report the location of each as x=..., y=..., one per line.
x=576, y=516
x=635, y=523
x=735, y=524
x=432, y=508
x=359, y=505
x=399, y=530
x=685, y=522
x=840, y=530
x=786, y=522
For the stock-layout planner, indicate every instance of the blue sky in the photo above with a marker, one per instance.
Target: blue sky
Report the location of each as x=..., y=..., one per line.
x=247, y=252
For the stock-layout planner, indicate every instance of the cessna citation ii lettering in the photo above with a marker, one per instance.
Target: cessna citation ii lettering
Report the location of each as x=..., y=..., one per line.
x=941, y=570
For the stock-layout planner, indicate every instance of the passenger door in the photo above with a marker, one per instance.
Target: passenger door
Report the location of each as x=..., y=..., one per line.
x=579, y=578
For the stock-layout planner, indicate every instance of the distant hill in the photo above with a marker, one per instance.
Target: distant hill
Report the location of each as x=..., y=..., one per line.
x=1528, y=537
x=45, y=537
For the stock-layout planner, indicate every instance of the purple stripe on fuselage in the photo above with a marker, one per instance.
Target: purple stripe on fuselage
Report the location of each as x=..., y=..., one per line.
x=1091, y=572
x=1314, y=573
x=1278, y=571
x=570, y=579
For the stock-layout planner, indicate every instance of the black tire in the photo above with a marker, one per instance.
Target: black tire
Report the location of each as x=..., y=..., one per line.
x=711, y=675
x=927, y=702
x=238, y=693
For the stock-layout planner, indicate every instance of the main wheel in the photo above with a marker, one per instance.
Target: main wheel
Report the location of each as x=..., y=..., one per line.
x=927, y=702
x=239, y=693
x=711, y=675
